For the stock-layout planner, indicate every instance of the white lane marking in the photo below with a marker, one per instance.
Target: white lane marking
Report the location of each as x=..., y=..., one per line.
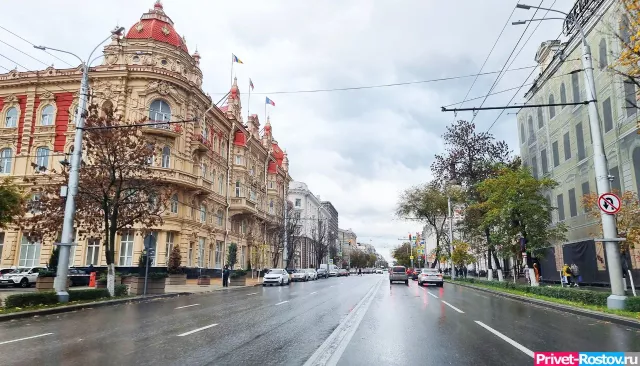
x=331, y=285
x=253, y=293
x=186, y=306
x=197, y=330
x=25, y=338
x=436, y=296
x=331, y=350
x=453, y=307
x=283, y=302
x=314, y=292
x=507, y=339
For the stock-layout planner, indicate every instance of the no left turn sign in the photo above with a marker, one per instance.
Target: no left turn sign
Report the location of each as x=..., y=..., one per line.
x=609, y=203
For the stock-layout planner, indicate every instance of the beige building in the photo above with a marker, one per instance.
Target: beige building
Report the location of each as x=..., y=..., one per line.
x=230, y=179
x=555, y=141
x=348, y=241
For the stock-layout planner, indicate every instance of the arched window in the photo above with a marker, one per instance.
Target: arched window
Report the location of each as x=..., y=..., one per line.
x=530, y=126
x=271, y=207
x=166, y=157
x=42, y=157
x=215, y=142
x=5, y=161
x=174, y=203
x=238, y=188
x=12, y=117
x=563, y=94
x=159, y=111
x=602, y=54
x=213, y=176
x=151, y=160
x=221, y=184
x=625, y=32
x=552, y=109
x=203, y=170
x=47, y=115
x=223, y=149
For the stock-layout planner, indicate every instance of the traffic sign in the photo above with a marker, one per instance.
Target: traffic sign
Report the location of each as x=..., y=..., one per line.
x=411, y=257
x=609, y=203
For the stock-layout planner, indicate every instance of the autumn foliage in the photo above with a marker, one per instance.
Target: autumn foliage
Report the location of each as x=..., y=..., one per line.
x=627, y=219
x=117, y=187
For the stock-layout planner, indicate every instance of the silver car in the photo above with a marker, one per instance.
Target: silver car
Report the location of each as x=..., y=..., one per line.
x=430, y=275
x=398, y=274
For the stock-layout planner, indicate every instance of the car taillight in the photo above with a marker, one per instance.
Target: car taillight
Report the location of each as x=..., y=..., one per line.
x=440, y=275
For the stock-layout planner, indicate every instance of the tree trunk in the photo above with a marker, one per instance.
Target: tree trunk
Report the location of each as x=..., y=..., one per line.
x=111, y=274
x=495, y=258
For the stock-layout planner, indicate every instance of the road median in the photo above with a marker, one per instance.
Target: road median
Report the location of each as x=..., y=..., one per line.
x=626, y=318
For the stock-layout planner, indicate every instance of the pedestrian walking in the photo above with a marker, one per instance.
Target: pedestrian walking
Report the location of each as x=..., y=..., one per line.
x=566, y=272
x=575, y=271
x=537, y=272
x=225, y=276
x=359, y=271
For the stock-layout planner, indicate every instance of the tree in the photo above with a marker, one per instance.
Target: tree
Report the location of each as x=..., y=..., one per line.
x=461, y=256
x=627, y=219
x=118, y=190
x=277, y=235
x=12, y=202
x=175, y=261
x=320, y=240
x=402, y=254
x=232, y=254
x=515, y=204
x=470, y=158
x=53, y=260
x=427, y=203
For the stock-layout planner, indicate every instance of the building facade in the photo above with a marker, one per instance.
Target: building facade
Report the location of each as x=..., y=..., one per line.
x=348, y=241
x=313, y=218
x=555, y=142
x=230, y=181
x=333, y=230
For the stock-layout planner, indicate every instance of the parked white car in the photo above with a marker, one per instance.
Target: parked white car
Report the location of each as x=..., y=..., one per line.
x=276, y=276
x=300, y=275
x=313, y=275
x=23, y=277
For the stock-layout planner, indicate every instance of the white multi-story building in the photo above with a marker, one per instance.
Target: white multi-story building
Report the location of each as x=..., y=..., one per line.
x=311, y=215
x=348, y=242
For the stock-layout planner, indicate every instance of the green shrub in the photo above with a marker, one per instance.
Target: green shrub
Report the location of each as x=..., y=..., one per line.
x=47, y=273
x=632, y=304
x=586, y=297
x=31, y=299
x=120, y=290
x=89, y=294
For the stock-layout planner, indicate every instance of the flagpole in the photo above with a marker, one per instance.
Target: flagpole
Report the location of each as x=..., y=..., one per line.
x=231, y=69
x=265, y=112
x=249, y=102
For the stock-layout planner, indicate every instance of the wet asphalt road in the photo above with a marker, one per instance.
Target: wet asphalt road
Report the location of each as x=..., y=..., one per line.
x=400, y=325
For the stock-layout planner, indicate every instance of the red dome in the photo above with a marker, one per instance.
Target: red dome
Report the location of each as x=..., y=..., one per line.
x=278, y=154
x=239, y=138
x=272, y=167
x=155, y=24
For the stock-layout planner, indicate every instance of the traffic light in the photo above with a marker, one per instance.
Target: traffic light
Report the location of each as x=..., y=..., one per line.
x=409, y=237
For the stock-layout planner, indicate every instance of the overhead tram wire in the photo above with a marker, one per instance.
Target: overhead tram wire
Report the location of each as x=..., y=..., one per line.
x=487, y=58
x=507, y=62
x=386, y=85
x=522, y=86
x=49, y=53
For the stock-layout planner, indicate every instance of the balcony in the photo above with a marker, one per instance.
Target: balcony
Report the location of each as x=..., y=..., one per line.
x=242, y=205
x=201, y=144
x=164, y=129
x=177, y=177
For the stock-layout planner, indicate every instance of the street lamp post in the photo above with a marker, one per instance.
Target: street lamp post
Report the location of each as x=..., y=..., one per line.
x=453, y=272
x=60, y=283
x=610, y=233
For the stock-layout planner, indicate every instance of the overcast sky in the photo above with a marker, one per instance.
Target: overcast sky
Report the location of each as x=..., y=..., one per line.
x=358, y=148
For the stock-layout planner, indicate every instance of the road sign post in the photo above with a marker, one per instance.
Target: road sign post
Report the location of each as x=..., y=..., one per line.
x=149, y=250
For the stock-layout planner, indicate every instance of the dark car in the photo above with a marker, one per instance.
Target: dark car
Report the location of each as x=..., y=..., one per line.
x=322, y=273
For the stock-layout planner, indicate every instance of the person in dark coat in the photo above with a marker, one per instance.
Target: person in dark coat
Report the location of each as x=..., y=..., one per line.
x=225, y=276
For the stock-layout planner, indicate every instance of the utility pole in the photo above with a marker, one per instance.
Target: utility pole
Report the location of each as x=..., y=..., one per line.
x=453, y=272
x=610, y=232
x=60, y=282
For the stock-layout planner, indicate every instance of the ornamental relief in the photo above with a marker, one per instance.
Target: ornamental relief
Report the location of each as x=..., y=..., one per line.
x=164, y=89
x=11, y=99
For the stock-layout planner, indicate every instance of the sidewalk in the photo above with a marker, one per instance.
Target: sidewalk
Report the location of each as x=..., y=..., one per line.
x=216, y=285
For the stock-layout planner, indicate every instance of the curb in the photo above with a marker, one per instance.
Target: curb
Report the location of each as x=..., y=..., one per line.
x=75, y=307
x=566, y=308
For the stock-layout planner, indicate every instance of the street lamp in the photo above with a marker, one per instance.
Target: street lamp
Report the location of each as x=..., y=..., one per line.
x=69, y=210
x=451, y=184
x=617, y=298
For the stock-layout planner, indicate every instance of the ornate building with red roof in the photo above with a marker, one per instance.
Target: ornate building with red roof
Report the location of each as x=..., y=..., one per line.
x=231, y=179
